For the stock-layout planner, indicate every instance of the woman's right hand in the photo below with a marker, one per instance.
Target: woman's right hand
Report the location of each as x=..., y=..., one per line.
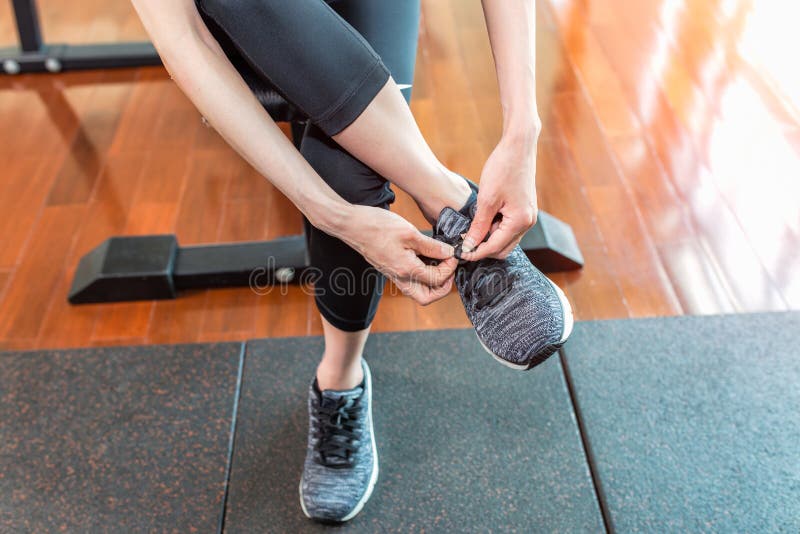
x=393, y=246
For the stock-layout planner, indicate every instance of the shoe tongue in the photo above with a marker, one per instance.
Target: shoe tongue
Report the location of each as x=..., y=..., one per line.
x=451, y=224
x=330, y=397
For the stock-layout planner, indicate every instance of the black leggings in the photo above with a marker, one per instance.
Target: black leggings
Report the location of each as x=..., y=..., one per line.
x=329, y=59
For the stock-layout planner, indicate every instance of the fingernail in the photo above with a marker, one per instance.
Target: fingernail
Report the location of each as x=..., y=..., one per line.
x=448, y=250
x=468, y=245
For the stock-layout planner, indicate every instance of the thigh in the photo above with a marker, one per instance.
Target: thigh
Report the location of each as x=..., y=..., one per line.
x=302, y=48
x=391, y=27
x=351, y=179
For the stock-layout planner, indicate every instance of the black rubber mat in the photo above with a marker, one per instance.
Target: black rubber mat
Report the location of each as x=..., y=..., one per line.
x=693, y=422
x=119, y=439
x=465, y=444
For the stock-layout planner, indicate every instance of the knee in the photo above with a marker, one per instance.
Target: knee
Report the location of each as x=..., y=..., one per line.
x=212, y=7
x=224, y=10
x=351, y=179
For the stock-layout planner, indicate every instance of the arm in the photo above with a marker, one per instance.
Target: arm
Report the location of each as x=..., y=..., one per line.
x=508, y=178
x=201, y=69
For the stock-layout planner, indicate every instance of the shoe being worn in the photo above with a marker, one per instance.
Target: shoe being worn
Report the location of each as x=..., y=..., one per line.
x=519, y=315
x=341, y=464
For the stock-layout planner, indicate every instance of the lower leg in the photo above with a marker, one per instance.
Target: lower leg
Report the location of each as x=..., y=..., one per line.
x=340, y=367
x=386, y=138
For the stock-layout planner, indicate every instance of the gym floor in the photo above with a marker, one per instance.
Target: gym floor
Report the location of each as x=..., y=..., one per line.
x=671, y=144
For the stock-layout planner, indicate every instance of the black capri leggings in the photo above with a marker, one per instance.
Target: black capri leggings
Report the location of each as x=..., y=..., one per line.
x=329, y=59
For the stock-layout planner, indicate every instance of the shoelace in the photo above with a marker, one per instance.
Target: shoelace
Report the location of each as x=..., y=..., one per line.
x=487, y=280
x=335, y=432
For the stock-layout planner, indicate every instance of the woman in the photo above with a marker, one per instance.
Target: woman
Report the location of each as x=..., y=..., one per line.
x=339, y=63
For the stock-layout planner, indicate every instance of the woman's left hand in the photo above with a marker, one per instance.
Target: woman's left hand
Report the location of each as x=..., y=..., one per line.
x=508, y=188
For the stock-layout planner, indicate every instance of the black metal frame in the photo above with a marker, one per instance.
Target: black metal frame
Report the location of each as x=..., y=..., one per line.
x=34, y=55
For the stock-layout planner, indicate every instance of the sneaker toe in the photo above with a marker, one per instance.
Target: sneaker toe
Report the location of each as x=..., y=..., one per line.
x=329, y=497
x=334, y=506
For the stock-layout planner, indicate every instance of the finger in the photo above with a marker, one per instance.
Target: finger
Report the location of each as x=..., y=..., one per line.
x=497, y=242
x=413, y=290
x=505, y=253
x=428, y=246
x=436, y=293
x=480, y=226
x=408, y=289
x=424, y=294
x=432, y=275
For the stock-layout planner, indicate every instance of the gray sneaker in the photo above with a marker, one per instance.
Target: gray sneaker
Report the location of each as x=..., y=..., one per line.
x=519, y=315
x=341, y=464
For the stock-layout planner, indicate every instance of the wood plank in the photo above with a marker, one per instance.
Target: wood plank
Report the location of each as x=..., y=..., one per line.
x=35, y=280
x=585, y=139
x=97, y=104
x=5, y=276
x=149, y=218
x=78, y=177
x=603, y=88
x=662, y=210
x=109, y=208
x=561, y=192
x=164, y=174
x=178, y=121
x=636, y=265
x=25, y=184
x=248, y=184
x=122, y=320
x=284, y=312
x=201, y=208
x=283, y=218
x=594, y=291
x=445, y=313
x=229, y=314
x=244, y=220
x=141, y=115
x=698, y=285
x=178, y=320
x=17, y=344
x=118, y=342
x=65, y=325
x=395, y=312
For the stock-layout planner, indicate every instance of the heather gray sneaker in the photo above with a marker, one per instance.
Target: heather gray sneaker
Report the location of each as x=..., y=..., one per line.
x=341, y=464
x=519, y=315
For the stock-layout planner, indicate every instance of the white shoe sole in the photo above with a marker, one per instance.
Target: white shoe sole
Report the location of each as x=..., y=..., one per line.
x=569, y=322
x=373, y=477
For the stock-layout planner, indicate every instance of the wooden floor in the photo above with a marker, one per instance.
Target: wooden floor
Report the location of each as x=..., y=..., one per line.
x=671, y=144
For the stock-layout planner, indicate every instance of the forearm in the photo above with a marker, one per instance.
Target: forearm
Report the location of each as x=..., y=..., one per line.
x=202, y=71
x=512, y=33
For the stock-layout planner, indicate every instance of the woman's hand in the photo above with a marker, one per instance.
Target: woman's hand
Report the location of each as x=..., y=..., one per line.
x=393, y=246
x=507, y=188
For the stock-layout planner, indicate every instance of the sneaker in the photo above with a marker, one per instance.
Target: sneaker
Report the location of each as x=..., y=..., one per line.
x=341, y=464
x=520, y=316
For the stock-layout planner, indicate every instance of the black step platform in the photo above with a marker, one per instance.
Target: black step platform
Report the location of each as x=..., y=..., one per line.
x=157, y=267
